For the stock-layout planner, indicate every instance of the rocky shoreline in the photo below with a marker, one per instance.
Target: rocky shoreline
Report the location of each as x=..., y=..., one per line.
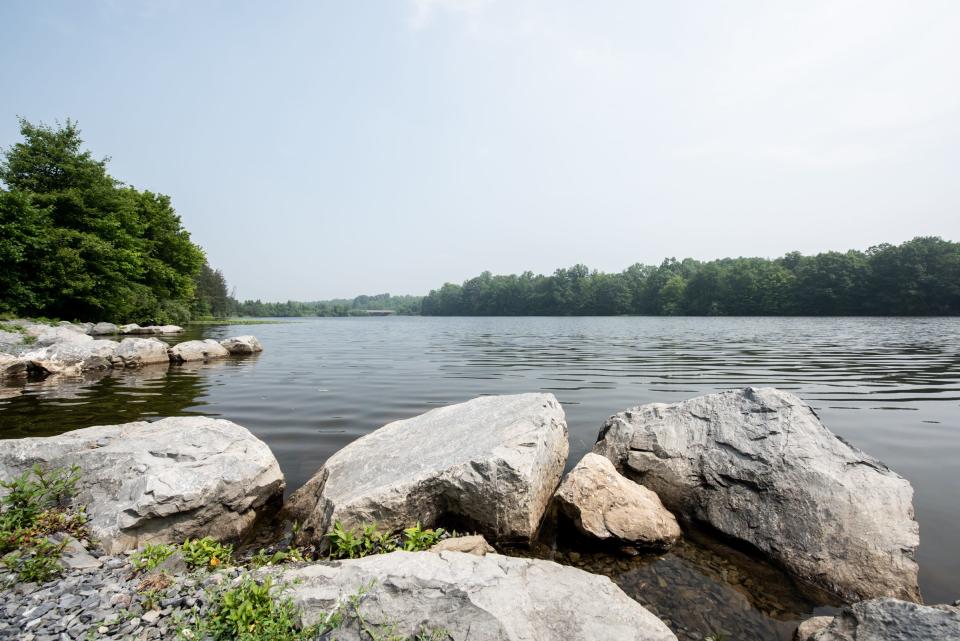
x=755, y=465
x=39, y=350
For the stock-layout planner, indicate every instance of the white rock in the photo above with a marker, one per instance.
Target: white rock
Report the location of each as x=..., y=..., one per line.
x=757, y=465
x=197, y=351
x=104, y=329
x=137, y=352
x=491, y=464
x=480, y=598
x=159, y=482
x=73, y=357
x=608, y=506
x=239, y=345
x=47, y=335
x=170, y=329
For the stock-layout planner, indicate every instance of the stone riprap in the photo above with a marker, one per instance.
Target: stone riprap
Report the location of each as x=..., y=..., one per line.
x=607, y=506
x=69, y=349
x=492, y=463
x=885, y=620
x=758, y=465
x=480, y=598
x=159, y=482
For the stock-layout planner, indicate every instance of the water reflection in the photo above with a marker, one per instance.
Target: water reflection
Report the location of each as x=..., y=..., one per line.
x=889, y=386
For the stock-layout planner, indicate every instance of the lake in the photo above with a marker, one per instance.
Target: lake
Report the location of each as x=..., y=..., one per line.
x=889, y=386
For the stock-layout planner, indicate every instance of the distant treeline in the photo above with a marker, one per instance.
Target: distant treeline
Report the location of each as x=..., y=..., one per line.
x=402, y=305
x=919, y=277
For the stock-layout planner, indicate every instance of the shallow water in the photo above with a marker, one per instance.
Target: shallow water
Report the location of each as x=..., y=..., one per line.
x=889, y=386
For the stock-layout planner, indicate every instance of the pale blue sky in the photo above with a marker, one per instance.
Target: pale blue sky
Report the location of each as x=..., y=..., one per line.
x=320, y=149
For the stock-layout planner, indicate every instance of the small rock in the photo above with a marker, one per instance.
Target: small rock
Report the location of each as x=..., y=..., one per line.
x=476, y=545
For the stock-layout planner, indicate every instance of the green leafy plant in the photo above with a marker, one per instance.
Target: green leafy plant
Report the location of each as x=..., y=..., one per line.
x=417, y=538
x=255, y=610
x=206, y=553
x=262, y=558
x=36, y=506
x=152, y=556
x=34, y=492
x=39, y=562
x=353, y=544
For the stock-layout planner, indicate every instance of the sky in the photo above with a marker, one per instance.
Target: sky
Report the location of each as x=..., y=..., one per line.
x=329, y=149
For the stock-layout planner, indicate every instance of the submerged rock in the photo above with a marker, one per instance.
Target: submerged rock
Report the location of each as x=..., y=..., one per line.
x=12, y=366
x=491, y=463
x=159, y=482
x=137, y=352
x=885, y=620
x=480, y=598
x=610, y=507
x=197, y=351
x=242, y=345
x=757, y=465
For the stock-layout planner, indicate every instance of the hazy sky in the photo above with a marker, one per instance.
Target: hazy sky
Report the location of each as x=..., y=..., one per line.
x=321, y=149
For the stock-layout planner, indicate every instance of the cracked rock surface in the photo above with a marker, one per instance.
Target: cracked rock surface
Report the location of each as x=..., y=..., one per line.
x=493, y=462
x=759, y=466
x=886, y=620
x=480, y=598
x=159, y=482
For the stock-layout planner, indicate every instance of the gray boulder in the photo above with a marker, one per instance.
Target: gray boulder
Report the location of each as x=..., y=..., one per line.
x=137, y=352
x=490, y=464
x=129, y=328
x=47, y=335
x=159, y=482
x=104, y=329
x=204, y=350
x=605, y=505
x=73, y=357
x=758, y=465
x=170, y=329
x=480, y=598
x=886, y=620
x=242, y=345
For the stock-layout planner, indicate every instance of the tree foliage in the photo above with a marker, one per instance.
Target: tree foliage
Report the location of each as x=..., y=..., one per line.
x=919, y=277
x=77, y=243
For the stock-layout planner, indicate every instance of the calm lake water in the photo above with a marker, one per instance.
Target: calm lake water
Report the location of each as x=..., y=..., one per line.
x=889, y=386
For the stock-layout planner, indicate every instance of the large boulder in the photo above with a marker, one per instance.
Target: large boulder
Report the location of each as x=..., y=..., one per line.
x=73, y=357
x=204, y=350
x=159, y=482
x=137, y=352
x=47, y=335
x=242, y=345
x=757, y=465
x=886, y=620
x=605, y=505
x=104, y=329
x=490, y=464
x=170, y=329
x=480, y=598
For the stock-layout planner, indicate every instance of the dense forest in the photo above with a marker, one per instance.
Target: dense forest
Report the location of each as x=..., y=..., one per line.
x=919, y=277
x=76, y=243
